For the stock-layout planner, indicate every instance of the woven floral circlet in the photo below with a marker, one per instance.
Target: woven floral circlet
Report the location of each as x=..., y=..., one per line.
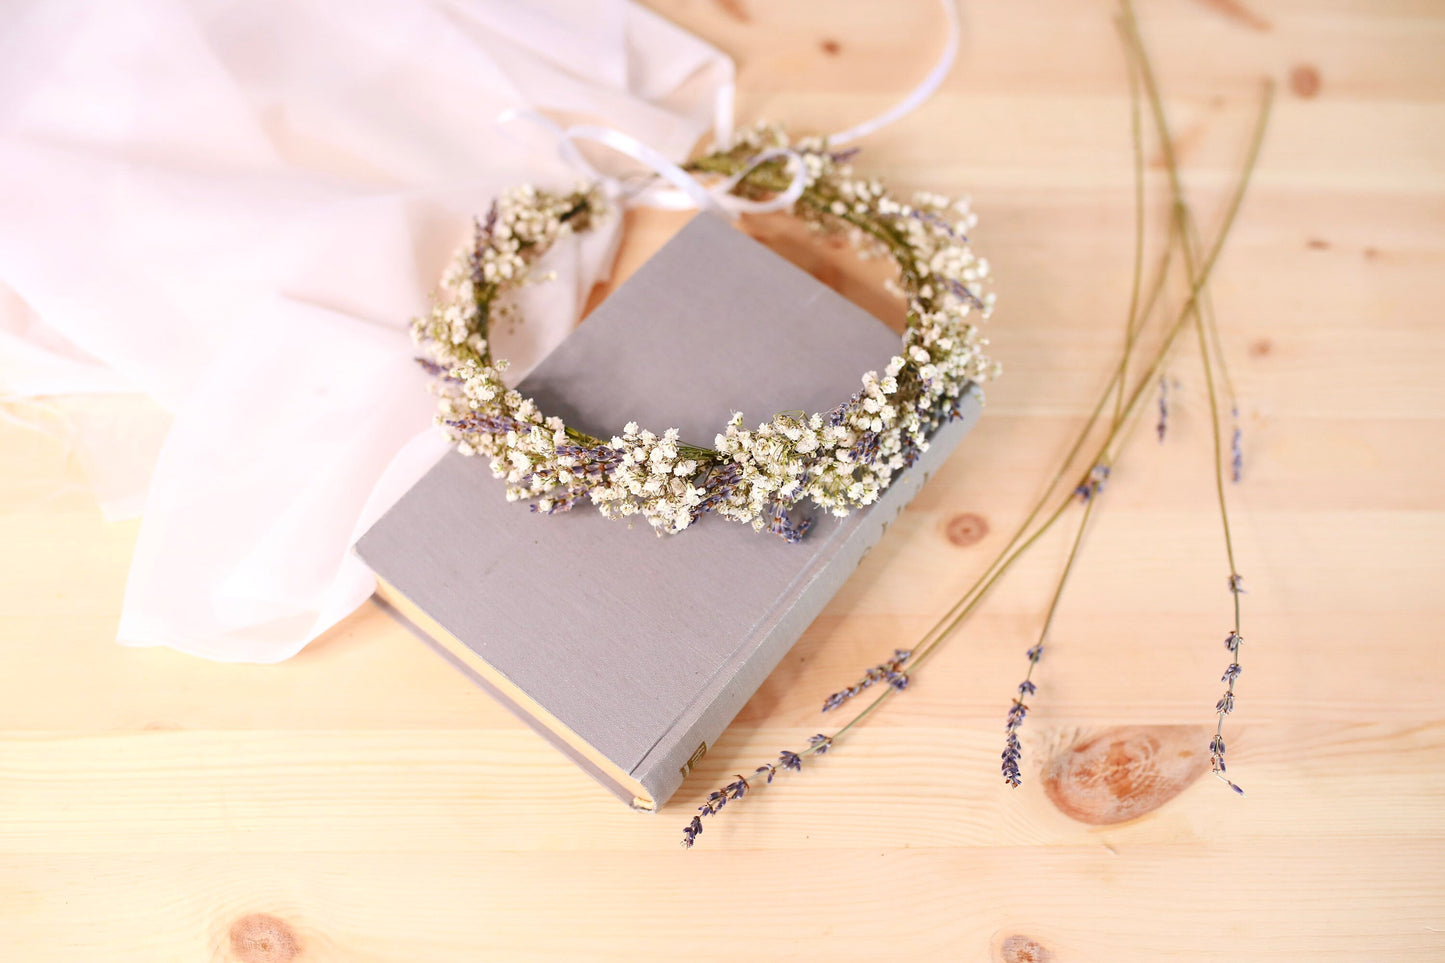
x=839, y=460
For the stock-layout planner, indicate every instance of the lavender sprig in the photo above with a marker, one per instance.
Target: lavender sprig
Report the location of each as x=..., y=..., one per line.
x=788, y=761
x=890, y=672
x=1203, y=316
x=718, y=487
x=480, y=422
x=557, y=504
x=1225, y=705
x=938, y=222
x=1163, y=426
x=436, y=370
x=865, y=449
x=1098, y=475
x=781, y=524
x=1236, y=449
x=481, y=237
x=1093, y=482
x=1012, y=751
x=963, y=293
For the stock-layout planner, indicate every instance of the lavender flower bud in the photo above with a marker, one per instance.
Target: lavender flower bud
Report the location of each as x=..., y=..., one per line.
x=1163, y=425
x=1236, y=449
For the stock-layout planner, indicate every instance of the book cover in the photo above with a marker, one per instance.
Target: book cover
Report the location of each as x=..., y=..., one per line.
x=630, y=651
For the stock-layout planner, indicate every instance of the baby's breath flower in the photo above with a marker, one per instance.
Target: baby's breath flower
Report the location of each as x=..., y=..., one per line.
x=838, y=461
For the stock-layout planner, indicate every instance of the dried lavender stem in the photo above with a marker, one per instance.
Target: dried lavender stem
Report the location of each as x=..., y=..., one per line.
x=976, y=594
x=1135, y=46
x=1197, y=281
x=1209, y=380
x=1131, y=408
x=1006, y=554
x=1206, y=305
x=1059, y=589
x=862, y=714
x=1187, y=229
x=1226, y=705
x=1000, y=566
x=1133, y=322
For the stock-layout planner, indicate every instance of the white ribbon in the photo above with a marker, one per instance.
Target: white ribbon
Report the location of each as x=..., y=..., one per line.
x=687, y=192
x=919, y=94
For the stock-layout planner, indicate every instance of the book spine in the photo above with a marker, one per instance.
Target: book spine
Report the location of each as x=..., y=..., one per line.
x=663, y=769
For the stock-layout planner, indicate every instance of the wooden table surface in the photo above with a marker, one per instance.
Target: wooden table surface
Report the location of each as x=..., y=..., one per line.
x=362, y=802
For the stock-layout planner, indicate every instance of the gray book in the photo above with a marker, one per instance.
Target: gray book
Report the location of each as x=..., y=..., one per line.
x=629, y=651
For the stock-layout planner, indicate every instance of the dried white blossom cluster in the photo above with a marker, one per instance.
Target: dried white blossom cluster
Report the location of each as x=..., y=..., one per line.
x=839, y=460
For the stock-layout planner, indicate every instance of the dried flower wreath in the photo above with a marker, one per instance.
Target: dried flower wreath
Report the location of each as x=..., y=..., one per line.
x=840, y=460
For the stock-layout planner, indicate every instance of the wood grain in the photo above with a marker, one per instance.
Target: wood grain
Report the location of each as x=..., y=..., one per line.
x=362, y=802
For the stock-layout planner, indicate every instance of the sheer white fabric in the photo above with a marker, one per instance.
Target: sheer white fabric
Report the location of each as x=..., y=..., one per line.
x=233, y=209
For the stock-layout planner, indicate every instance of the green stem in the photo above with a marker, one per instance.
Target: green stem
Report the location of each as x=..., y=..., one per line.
x=961, y=610
x=863, y=714
x=1209, y=380
x=1132, y=324
x=1068, y=567
x=1206, y=307
x=1200, y=277
x=1203, y=327
x=1004, y=557
x=1187, y=229
x=976, y=595
x=1130, y=328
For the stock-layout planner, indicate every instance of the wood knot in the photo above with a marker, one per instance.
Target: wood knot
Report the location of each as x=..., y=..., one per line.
x=1124, y=773
x=1261, y=347
x=966, y=529
x=735, y=9
x=262, y=938
x=1235, y=10
x=828, y=273
x=1317, y=244
x=1021, y=949
x=831, y=47
x=1304, y=80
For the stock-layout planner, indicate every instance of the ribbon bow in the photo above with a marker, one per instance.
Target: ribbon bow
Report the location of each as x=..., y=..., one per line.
x=687, y=192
